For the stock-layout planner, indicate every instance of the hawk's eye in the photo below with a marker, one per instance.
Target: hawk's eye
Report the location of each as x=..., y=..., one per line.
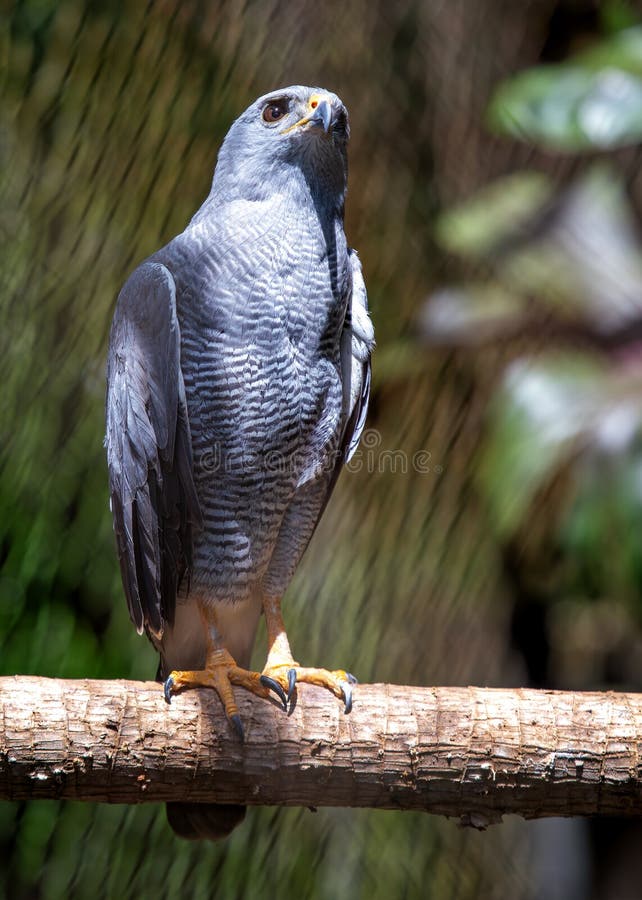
x=275, y=111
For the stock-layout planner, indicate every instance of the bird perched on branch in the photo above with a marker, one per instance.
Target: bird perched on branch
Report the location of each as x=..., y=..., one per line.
x=237, y=386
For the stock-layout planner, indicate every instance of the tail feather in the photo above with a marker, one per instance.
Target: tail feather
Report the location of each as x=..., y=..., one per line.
x=204, y=821
x=183, y=647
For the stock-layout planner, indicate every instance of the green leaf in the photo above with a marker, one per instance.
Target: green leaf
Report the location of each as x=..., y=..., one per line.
x=477, y=226
x=539, y=415
x=550, y=412
x=591, y=103
x=576, y=252
x=622, y=51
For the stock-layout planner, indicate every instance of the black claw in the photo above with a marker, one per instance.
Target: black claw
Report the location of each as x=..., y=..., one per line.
x=351, y=678
x=273, y=685
x=346, y=689
x=291, y=682
x=167, y=689
x=238, y=726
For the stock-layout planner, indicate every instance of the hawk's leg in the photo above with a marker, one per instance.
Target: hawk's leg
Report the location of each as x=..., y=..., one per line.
x=282, y=668
x=220, y=673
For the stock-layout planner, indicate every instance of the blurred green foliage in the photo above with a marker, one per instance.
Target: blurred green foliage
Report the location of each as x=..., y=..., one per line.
x=501, y=208
x=591, y=102
x=567, y=268
x=560, y=278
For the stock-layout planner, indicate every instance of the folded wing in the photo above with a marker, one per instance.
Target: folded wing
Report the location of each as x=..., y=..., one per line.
x=149, y=453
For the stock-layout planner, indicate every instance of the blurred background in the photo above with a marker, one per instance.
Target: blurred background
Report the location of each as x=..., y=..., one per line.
x=495, y=200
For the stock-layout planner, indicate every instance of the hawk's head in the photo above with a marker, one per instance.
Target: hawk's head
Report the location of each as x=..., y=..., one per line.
x=295, y=128
x=295, y=113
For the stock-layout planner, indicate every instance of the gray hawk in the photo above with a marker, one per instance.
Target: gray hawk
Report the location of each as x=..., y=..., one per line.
x=237, y=387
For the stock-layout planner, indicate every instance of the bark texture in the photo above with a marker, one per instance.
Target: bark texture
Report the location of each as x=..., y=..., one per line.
x=473, y=753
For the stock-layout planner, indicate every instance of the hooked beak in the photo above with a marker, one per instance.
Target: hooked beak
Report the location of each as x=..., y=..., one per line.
x=322, y=115
x=319, y=116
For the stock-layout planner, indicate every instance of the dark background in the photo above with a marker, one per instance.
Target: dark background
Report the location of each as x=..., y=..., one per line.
x=497, y=219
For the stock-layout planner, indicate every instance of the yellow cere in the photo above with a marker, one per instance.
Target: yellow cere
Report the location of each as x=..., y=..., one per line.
x=313, y=102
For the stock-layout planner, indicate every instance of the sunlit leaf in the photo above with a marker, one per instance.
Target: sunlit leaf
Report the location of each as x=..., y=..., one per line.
x=494, y=213
x=542, y=410
x=587, y=261
x=548, y=411
x=593, y=102
x=576, y=253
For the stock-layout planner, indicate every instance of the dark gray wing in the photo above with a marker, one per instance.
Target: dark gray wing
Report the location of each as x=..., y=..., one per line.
x=149, y=453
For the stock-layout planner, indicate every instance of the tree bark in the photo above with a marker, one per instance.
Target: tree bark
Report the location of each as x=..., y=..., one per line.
x=473, y=753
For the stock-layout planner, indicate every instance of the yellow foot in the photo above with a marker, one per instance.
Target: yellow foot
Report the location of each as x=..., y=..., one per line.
x=220, y=673
x=288, y=674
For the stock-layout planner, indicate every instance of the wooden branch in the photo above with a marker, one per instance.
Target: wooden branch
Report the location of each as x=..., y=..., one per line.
x=468, y=752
